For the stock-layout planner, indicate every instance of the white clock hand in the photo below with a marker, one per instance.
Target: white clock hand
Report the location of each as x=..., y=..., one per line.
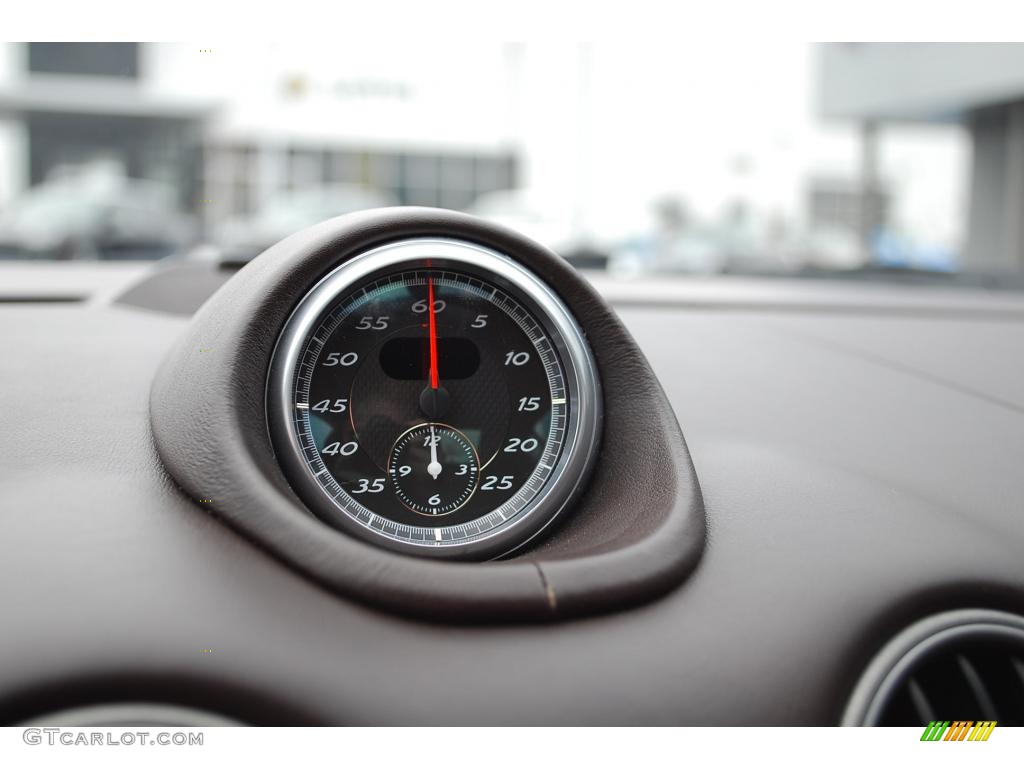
x=434, y=467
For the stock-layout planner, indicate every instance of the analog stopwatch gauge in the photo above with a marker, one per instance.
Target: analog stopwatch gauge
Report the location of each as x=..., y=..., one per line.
x=435, y=397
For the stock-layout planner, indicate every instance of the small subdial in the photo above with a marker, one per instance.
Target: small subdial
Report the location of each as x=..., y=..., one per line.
x=433, y=468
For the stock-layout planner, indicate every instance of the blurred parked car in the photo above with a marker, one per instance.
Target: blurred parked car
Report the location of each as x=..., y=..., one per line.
x=241, y=238
x=94, y=215
x=520, y=210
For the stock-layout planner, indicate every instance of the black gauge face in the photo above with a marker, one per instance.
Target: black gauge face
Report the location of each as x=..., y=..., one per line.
x=431, y=404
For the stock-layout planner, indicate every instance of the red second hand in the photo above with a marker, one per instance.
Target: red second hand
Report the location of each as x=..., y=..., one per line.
x=433, y=336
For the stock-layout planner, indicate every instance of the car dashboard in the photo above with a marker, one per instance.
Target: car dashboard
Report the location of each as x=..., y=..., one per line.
x=787, y=478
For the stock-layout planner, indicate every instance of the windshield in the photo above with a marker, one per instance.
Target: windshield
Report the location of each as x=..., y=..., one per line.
x=838, y=161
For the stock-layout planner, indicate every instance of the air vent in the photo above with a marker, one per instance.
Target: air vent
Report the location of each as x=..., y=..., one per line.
x=963, y=665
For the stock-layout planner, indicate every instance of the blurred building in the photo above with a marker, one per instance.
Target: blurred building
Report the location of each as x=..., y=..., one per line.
x=231, y=128
x=68, y=105
x=977, y=85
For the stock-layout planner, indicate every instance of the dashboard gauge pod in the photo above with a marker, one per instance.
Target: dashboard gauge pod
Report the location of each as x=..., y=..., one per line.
x=396, y=392
x=434, y=397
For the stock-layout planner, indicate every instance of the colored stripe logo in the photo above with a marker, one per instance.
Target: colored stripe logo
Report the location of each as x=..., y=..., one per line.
x=958, y=730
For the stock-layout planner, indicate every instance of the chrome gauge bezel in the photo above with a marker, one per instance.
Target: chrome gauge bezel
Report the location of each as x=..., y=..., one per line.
x=582, y=390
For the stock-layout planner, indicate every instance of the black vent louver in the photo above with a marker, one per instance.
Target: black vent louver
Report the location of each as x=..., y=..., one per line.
x=965, y=665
